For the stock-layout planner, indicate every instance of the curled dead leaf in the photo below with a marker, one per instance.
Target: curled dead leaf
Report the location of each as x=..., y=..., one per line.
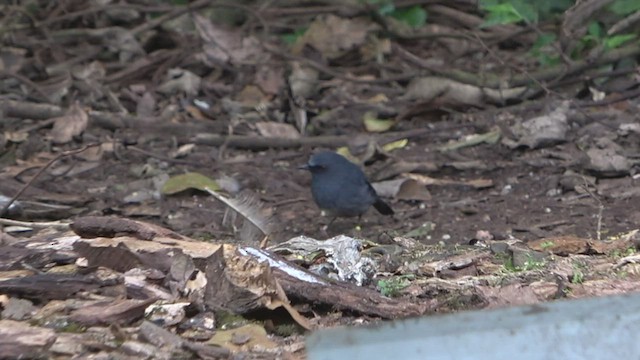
x=279, y=130
x=395, y=145
x=71, y=124
x=373, y=124
x=403, y=189
x=333, y=35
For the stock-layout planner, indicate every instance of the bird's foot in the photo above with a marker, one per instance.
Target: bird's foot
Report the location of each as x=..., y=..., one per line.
x=323, y=231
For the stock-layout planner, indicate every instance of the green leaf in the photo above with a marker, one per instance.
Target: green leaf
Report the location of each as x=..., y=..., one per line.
x=617, y=40
x=187, y=181
x=594, y=29
x=546, y=8
x=486, y=3
x=624, y=7
x=386, y=9
x=291, y=38
x=526, y=10
x=547, y=60
x=542, y=41
x=501, y=14
x=414, y=16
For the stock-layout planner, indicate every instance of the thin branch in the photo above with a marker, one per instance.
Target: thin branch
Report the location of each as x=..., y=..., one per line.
x=26, y=186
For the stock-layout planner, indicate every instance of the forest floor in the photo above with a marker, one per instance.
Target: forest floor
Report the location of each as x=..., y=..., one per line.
x=526, y=196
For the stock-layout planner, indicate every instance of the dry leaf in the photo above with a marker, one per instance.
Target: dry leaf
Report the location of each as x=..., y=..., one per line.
x=278, y=130
x=182, y=151
x=243, y=338
x=373, y=124
x=333, y=35
x=270, y=78
x=224, y=45
x=71, y=124
x=92, y=71
x=16, y=136
x=11, y=59
x=404, y=189
x=395, y=145
x=180, y=80
x=251, y=96
x=146, y=105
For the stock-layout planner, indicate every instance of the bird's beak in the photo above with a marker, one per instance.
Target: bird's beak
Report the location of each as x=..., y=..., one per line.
x=304, y=167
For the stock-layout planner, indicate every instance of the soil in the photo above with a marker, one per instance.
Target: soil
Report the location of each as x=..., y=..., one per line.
x=526, y=200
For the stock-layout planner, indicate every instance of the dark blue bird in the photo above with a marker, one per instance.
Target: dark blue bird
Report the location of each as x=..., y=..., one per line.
x=340, y=188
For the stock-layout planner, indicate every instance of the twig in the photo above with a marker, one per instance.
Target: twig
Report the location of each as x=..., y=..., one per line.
x=585, y=187
x=624, y=23
x=546, y=74
x=264, y=242
x=161, y=157
x=41, y=94
x=518, y=69
x=26, y=186
x=625, y=96
x=38, y=224
x=148, y=25
x=327, y=70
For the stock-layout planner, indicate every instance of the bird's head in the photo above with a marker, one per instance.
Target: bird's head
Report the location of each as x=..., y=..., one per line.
x=322, y=161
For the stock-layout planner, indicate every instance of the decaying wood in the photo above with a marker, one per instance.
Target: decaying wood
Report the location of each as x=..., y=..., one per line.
x=243, y=284
x=121, y=312
x=17, y=257
x=102, y=226
x=345, y=296
x=340, y=295
x=162, y=338
x=41, y=287
x=121, y=276
x=19, y=340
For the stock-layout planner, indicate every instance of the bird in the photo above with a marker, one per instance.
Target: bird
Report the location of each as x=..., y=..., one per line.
x=340, y=188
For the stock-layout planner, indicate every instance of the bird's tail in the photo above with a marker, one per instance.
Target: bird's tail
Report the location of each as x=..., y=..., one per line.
x=382, y=207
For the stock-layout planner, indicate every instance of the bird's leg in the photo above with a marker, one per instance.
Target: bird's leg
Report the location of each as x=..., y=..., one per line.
x=326, y=227
x=359, y=224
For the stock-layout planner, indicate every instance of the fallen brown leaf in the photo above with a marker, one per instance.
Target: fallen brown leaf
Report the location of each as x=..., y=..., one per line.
x=71, y=124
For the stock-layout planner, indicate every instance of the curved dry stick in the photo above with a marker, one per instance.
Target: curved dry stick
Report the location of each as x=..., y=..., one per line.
x=41, y=94
x=327, y=70
x=546, y=74
x=35, y=224
x=26, y=186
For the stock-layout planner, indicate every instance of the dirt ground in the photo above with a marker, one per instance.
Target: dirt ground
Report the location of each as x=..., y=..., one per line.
x=527, y=200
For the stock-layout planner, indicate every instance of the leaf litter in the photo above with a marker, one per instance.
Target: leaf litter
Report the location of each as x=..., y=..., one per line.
x=497, y=205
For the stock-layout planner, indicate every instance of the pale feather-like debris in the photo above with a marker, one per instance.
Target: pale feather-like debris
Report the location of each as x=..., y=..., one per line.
x=250, y=209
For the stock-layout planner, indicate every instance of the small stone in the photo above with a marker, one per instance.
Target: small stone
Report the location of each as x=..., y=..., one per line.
x=523, y=257
x=139, y=350
x=499, y=247
x=18, y=309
